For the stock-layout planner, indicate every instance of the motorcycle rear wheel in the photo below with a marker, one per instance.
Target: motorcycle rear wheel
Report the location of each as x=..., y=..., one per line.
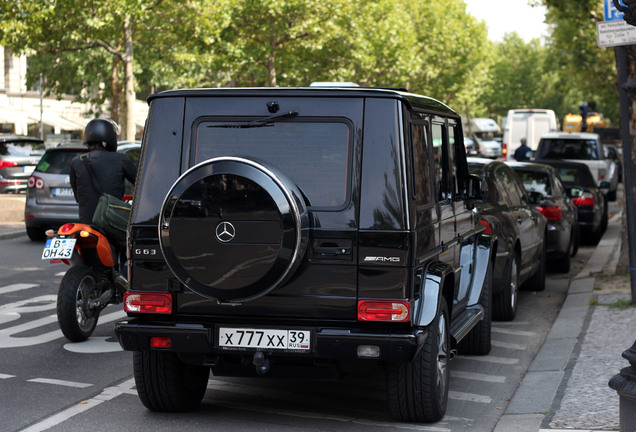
x=77, y=288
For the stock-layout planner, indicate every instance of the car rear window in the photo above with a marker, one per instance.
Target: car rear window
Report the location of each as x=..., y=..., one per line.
x=576, y=176
x=57, y=162
x=21, y=149
x=315, y=155
x=579, y=149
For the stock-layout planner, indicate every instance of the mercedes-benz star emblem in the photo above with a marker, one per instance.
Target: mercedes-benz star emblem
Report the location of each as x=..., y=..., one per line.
x=225, y=232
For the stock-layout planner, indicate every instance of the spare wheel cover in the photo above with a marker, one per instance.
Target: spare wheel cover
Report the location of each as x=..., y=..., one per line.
x=233, y=229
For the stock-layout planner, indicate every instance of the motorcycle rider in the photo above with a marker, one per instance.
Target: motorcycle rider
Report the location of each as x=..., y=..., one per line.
x=110, y=169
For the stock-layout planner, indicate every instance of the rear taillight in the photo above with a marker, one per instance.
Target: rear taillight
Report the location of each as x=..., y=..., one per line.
x=487, y=225
x=384, y=310
x=7, y=164
x=587, y=199
x=551, y=212
x=145, y=302
x=35, y=182
x=504, y=150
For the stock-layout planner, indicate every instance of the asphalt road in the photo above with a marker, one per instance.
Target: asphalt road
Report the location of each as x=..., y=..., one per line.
x=50, y=384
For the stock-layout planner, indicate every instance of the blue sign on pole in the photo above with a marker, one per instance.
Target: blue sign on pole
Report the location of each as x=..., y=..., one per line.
x=611, y=13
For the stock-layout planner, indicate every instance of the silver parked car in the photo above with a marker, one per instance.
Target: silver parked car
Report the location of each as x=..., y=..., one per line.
x=50, y=200
x=18, y=157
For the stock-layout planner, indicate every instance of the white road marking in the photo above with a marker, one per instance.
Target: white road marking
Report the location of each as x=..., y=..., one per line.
x=106, y=395
x=93, y=345
x=3, y=376
x=59, y=382
x=16, y=287
x=60, y=273
x=507, y=345
x=478, y=377
x=492, y=359
x=513, y=332
x=468, y=397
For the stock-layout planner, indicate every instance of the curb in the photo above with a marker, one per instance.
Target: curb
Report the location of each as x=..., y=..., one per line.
x=12, y=234
x=537, y=397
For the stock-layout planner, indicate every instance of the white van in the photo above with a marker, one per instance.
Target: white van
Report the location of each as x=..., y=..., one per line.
x=528, y=123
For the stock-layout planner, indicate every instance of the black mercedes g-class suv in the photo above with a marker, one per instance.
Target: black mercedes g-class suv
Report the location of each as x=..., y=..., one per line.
x=303, y=226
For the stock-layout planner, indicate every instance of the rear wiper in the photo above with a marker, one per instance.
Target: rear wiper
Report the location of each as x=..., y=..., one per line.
x=265, y=121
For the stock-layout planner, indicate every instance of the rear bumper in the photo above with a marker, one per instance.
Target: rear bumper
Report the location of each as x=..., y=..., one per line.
x=328, y=342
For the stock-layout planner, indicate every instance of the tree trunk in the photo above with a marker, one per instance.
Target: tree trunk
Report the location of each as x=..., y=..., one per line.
x=130, y=127
x=271, y=69
x=115, y=100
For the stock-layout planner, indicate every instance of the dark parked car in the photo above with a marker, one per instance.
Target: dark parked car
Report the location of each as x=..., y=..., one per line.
x=277, y=227
x=18, y=157
x=50, y=200
x=548, y=194
x=586, y=196
x=520, y=229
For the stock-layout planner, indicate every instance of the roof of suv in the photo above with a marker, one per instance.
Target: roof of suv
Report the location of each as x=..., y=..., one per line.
x=417, y=101
x=570, y=135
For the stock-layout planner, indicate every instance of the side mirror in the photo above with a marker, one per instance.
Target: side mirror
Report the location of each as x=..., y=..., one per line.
x=605, y=185
x=535, y=197
x=576, y=192
x=476, y=188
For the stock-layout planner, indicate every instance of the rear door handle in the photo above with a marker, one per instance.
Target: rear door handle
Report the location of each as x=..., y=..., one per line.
x=332, y=251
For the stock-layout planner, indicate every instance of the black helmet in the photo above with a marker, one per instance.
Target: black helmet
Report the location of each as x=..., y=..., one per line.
x=103, y=132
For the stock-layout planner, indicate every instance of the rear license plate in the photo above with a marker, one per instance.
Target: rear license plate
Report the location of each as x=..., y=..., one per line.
x=264, y=339
x=56, y=248
x=63, y=192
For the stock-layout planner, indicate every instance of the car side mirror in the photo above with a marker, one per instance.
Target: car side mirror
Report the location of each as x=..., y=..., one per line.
x=575, y=192
x=535, y=197
x=476, y=188
x=605, y=185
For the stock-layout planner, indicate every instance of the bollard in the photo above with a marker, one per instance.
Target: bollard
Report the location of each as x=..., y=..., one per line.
x=625, y=385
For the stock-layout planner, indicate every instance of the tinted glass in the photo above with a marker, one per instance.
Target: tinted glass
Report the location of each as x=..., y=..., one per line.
x=315, y=155
x=579, y=149
x=57, y=162
x=420, y=166
x=535, y=181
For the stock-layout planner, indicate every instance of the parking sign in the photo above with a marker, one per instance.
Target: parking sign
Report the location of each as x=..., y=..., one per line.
x=611, y=13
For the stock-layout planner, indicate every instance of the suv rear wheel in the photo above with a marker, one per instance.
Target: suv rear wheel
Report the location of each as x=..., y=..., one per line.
x=418, y=390
x=165, y=383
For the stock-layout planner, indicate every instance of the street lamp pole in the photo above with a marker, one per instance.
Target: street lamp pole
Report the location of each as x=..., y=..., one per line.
x=625, y=382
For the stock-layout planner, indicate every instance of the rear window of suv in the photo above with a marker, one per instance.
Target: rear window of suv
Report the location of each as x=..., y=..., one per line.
x=580, y=149
x=315, y=155
x=57, y=161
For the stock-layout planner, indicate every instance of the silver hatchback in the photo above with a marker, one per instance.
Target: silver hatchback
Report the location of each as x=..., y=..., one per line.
x=50, y=200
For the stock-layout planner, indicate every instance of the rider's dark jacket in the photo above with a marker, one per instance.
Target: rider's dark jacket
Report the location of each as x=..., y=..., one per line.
x=110, y=170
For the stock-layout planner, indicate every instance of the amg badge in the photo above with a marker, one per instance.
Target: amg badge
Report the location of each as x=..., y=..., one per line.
x=381, y=259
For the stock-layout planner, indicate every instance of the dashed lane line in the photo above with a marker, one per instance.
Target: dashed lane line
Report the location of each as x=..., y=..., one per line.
x=4, y=376
x=492, y=359
x=513, y=332
x=106, y=395
x=60, y=382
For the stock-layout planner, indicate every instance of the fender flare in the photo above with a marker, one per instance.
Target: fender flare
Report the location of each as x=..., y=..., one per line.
x=431, y=284
x=483, y=258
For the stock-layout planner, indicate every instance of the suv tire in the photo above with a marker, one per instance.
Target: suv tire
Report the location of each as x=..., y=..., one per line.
x=165, y=383
x=418, y=390
x=247, y=217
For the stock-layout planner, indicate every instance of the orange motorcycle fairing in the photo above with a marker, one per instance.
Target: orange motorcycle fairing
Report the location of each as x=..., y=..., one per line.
x=92, y=238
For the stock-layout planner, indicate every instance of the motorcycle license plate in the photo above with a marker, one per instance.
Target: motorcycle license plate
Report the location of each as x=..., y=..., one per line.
x=58, y=248
x=276, y=339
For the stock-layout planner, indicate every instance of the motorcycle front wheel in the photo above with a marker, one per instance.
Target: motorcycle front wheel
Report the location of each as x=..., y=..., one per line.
x=78, y=286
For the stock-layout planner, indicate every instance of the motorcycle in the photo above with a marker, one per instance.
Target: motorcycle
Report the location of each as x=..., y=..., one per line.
x=93, y=281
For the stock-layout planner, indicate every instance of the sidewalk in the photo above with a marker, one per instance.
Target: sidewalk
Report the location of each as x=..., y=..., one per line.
x=12, y=215
x=565, y=388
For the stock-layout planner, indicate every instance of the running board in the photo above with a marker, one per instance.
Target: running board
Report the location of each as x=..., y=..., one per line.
x=465, y=322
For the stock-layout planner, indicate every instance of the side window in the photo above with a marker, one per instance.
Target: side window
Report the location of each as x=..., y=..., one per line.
x=421, y=167
x=440, y=161
x=460, y=167
x=510, y=186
